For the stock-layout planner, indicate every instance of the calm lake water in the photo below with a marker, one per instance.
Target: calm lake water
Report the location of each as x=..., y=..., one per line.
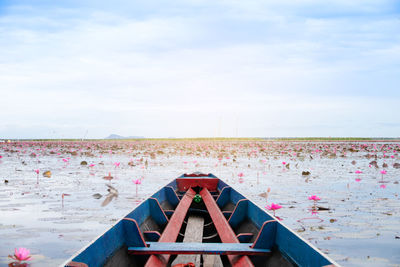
x=359, y=228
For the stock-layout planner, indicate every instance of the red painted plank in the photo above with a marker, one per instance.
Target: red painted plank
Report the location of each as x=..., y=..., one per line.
x=185, y=183
x=224, y=230
x=171, y=231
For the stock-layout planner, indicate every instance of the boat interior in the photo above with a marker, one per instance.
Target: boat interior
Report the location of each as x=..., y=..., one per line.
x=198, y=219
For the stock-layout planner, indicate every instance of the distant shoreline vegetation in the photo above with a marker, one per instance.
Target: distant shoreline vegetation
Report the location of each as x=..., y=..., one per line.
x=305, y=139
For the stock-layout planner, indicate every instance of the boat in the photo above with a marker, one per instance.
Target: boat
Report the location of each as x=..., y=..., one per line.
x=198, y=220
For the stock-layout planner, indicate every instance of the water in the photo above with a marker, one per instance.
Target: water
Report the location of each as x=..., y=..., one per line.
x=359, y=229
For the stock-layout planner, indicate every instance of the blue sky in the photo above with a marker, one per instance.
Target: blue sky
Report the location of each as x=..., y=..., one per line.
x=199, y=68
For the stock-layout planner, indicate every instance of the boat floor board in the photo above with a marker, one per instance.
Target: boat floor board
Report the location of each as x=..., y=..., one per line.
x=193, y=234
x=165, y=205
x=150, y=225
x=247, y=227
x=121, y=258
x=274, y=260
x=228, y=207
x=212, y=261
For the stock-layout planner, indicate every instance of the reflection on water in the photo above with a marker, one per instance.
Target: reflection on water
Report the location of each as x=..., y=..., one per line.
x=355, y=222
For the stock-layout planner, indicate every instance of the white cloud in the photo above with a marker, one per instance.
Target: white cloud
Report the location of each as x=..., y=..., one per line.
x=112, y=73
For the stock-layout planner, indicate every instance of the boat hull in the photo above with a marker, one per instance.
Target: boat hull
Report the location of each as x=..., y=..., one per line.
x=160, y=231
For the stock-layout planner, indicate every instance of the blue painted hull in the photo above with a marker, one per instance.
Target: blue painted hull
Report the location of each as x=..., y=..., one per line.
x=122, y=244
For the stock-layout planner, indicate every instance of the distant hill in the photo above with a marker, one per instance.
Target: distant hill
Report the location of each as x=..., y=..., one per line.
x=116, y=136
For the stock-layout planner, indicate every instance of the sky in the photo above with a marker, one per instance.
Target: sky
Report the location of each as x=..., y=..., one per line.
x=191, y=68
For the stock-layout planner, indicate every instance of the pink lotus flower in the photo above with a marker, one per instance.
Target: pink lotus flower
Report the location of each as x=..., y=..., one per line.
x=37, y=171
x=358, y=171
x=65, y=160
x=383, y=171
x=117, y=164
x=284, y=162
x=273, y=207
x=21, y=254
x=383, y=186
x=314, y=197
x=240, y=174
x=91, y=165
x=358, y=179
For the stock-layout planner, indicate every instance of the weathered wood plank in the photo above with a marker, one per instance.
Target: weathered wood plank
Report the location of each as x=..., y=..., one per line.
x=212, y=261
x=193, y=234
x=194, y=229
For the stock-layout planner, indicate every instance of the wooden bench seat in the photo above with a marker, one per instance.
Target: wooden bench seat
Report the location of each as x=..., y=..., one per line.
x=172, y=248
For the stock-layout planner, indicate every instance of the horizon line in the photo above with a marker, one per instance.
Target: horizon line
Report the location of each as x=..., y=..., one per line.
x=206, y=138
